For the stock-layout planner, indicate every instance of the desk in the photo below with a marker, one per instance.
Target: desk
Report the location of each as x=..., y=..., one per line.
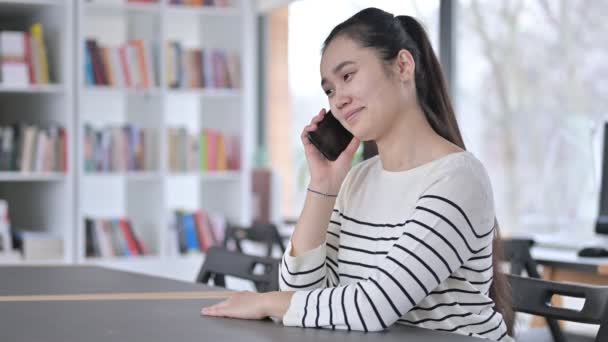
x=565, y=265
x=175, y=320
x=147, y=320
x=60, y=280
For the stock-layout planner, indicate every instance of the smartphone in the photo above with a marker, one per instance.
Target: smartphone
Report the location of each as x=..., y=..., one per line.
x=330, y=137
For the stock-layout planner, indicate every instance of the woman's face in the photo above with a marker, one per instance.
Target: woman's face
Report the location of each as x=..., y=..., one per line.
x=362, y=95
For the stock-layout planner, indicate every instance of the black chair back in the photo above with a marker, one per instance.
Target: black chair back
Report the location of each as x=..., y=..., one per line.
x=264, y=233
x=533, y=296
x=220, y=262
x=517, y=253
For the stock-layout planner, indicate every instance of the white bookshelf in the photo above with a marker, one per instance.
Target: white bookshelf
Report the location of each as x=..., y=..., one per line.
x=149, y=197
x=32, y=89
x=59, y=202
x=8, y=176
x=37, y=201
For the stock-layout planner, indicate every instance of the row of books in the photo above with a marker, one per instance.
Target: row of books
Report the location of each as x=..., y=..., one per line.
x=28, y=148
x=201, y=68
x=217, y=3
x=210, y=150
x=130, y=65
x=23, y=57
x=196, y=231
x=119, y=148
x=111, y=237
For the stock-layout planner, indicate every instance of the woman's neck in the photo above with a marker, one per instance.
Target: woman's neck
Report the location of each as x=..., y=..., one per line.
x=411, y=142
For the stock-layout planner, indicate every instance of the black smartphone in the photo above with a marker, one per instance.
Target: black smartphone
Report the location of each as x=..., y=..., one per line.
x=330, y=137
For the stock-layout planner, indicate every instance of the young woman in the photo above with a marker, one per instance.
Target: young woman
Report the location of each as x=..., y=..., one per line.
x=406, y=236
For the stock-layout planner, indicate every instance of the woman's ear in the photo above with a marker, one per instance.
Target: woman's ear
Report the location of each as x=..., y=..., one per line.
x=405, y=65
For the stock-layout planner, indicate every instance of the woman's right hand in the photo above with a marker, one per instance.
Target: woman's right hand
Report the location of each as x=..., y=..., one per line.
x=325, y=175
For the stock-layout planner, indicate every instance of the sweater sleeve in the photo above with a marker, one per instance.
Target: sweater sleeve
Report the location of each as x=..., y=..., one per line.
x=317, y=268
x=453, y=220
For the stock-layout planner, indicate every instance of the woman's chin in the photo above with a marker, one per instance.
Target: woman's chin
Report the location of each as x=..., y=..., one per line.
x=361, y=135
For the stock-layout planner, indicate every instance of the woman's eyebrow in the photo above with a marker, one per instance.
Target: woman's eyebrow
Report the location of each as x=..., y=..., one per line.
x=337, y=69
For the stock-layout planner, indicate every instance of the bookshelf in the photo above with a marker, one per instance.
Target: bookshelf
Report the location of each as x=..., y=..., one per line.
x=147, y=195
x=39, y=201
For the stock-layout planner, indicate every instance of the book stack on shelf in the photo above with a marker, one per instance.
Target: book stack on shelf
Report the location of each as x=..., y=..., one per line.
x=216, y=3
x=39, y=245
x=28, y=148
x=209, y=150
x=112, y=237
x=125, y=148
x=201, y=68
x=23, y=57
x=29, y=245
x=6, y=245
x=130, y=65
x=196, y=231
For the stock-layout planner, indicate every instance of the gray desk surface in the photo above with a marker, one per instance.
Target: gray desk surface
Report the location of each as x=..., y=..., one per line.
x=59, y=280
x=167, y=321
x=568, y=259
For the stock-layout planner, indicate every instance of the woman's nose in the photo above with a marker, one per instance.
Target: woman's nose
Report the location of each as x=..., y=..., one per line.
x=342, y=100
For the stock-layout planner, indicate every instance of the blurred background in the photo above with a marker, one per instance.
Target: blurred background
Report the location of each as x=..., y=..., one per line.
x=135, y=133
x=138, y=134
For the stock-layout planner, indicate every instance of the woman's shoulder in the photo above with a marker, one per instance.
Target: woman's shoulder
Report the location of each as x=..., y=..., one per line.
x=461, y=173
x=464, y=166
x=460, y=168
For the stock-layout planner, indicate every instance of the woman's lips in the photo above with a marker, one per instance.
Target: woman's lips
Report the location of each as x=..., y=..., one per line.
x=352, y=114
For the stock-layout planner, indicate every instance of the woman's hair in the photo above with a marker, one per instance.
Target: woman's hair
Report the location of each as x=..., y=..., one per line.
x=387, y=34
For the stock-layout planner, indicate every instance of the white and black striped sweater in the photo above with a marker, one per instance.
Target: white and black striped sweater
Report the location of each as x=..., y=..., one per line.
x=412, y=247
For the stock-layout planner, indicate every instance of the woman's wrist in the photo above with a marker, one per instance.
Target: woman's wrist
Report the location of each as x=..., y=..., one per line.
x=327, y=195
x=276, y=303
x=323, y=187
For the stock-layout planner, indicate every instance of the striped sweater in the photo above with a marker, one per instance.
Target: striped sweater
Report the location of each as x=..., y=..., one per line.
x=410, y=247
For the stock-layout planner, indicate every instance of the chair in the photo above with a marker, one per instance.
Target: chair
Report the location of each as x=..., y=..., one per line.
x=264, y=233
x=533, y=296
x=220, y=262
x=517, y=253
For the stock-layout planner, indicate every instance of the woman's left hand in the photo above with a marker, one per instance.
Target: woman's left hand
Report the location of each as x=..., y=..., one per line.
x=243, y=305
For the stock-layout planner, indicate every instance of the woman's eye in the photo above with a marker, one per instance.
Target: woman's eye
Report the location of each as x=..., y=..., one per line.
x=328, y=92
x=348, y=76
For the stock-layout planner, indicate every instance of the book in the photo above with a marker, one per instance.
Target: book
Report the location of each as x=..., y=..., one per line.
x=41, y=245
x=13, y=58
x=37, y=37
x=91, y=243
x=189, y=226
x=6, y=244
x=181, y=232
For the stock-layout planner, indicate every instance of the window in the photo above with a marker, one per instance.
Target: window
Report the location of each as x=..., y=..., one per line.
x=531, y=85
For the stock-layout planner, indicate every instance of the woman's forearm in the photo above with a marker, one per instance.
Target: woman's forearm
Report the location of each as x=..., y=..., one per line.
x=276, y=303
x=312, y=225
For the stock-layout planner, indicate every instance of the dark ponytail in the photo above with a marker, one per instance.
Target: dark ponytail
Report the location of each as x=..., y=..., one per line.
x=380, y=30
